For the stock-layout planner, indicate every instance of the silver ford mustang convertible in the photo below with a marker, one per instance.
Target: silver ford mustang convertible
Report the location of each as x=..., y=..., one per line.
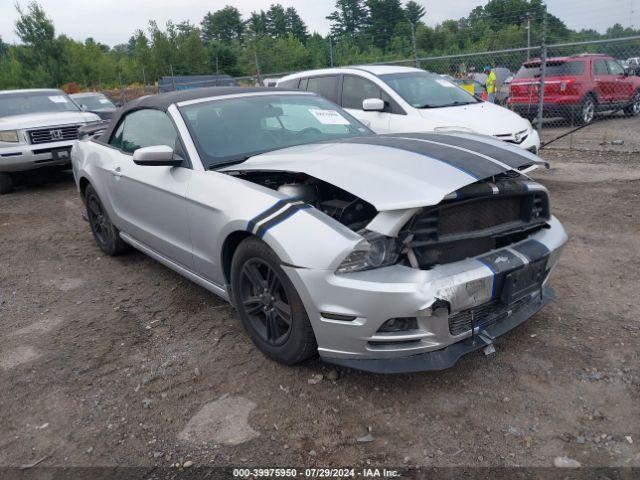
x=387, y=253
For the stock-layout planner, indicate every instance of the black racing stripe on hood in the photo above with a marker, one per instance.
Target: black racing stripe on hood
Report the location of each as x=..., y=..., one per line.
x=504, y=155
x=467, y=162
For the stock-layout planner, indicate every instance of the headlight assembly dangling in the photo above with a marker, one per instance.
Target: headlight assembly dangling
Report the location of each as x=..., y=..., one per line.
x=374, y=251
x=9, y=136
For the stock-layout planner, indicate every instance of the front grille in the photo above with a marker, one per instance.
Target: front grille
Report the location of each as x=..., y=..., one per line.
x=483, y=316
x=480, y=215
x=460, y=229
x=516, y=138
x=54, y=134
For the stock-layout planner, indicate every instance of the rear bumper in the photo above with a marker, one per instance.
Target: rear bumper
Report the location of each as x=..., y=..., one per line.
x=30, y=157
x=448, y=356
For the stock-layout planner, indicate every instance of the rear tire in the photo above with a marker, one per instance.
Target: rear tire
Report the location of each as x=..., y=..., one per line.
x=633, y=110
x=6, y=184
x=269, y=305
x=586, y=112
x=106, y=235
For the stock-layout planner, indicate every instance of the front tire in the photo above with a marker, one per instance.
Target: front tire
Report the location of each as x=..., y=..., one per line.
x=269, y=305
x=106, y=235
x=6, y=184
x=633, y=110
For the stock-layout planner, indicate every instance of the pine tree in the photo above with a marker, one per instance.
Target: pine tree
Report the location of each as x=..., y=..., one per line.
x=349, y=18
x=384, y=16
x=414, y=12
x=276, y=21
x=295, y=25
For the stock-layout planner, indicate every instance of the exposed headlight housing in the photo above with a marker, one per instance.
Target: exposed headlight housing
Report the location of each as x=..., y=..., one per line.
x=9, y=136
x=374, y=251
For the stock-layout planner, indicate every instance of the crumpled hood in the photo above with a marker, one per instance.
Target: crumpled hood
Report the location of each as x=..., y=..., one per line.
x=36, y=120
x=483, y=117
x=397, y=171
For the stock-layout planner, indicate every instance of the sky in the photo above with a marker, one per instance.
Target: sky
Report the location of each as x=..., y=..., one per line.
x=113, y=21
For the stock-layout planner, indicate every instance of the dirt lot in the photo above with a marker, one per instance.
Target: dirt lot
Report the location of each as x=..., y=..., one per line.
x=611, y=133
x=119, y=361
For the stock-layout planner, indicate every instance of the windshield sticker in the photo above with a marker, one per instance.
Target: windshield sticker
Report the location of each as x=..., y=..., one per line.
x=328, y=117
x=104, y=100
x=58, y=99
x=445, y=83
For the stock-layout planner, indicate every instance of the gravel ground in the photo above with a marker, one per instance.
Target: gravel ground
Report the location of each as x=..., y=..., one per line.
x=608, y=133
x=119, y=361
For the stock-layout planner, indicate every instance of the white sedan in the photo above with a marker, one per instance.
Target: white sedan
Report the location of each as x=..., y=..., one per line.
x=386, y=253
x=393, y=99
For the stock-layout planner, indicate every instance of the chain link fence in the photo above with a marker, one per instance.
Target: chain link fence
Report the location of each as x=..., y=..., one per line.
x=591, y=98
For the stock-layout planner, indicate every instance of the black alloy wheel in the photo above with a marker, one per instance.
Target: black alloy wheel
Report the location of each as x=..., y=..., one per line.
x=105, y=233
x=265, y=302
x=99, y=222
x=269, y=305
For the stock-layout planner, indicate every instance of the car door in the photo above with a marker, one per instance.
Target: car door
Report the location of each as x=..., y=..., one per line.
x=355, y=90
x=604, y=82
x=150, y=200
x=622, y=86
x=325, y=85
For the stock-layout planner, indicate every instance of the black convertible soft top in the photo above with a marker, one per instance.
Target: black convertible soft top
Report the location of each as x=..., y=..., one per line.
x=163, y=101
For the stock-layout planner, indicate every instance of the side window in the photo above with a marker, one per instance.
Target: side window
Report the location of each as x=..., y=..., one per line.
x=600, y=67
x=615, y=68
x=116, y=138
x=146, y=128
x=356, y=89
x=325, y=86
x=289, y=83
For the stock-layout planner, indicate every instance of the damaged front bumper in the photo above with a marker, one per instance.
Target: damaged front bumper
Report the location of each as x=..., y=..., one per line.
x=451, y=309
x=448, y=356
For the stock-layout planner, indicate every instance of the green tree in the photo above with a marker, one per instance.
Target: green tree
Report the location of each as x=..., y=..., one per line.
x=276, y=21
x=257, y=24
x=42, y=57
x=223, y=25
x=295, y=25
x=414, y=12
x=384, y=17
x=348, y=19
x=318, y=48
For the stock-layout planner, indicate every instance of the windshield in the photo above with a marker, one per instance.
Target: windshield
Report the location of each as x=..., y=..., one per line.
x=230, y=131
x=21, y=103
x=427, y=90
x=95, y=102
x=556, y=69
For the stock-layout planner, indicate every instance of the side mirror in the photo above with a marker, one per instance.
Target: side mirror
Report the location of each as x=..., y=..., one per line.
x=157, y=156
x=84, y=108
x=372, y=105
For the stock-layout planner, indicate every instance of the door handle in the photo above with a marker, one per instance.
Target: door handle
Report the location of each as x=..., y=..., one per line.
x=117, y=172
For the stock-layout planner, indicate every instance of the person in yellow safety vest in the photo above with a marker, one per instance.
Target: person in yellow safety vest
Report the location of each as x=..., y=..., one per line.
x=491, y=84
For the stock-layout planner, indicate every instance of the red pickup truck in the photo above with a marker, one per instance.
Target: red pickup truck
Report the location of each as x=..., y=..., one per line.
x=576, y=88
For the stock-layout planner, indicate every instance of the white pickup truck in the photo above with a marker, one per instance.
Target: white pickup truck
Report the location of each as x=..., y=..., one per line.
x=37, y=129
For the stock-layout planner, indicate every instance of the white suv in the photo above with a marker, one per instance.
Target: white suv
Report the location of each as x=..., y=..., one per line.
x=37, y=129
x=394, y=99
